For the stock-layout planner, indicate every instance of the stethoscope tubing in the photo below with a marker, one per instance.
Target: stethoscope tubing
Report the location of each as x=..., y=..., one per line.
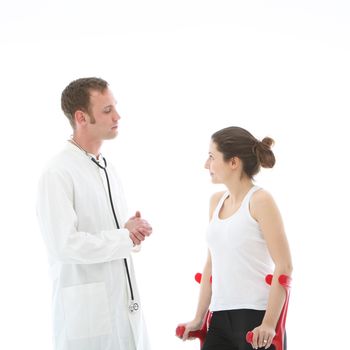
x=117, y=224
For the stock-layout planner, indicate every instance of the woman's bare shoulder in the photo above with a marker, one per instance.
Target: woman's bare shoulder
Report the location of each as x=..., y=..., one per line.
x=262, y=202
x=262, y=197
x=214, y=201
x=215, y=198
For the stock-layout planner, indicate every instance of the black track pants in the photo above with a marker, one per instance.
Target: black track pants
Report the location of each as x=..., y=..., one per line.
x=228, y=329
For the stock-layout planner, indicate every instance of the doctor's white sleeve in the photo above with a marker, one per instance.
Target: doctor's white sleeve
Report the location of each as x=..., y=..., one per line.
x=58, y=223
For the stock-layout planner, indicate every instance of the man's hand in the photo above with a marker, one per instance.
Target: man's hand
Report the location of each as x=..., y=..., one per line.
x=139, y=228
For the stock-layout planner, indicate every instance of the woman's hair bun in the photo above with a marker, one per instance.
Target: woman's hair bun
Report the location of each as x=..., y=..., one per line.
x=264, y=154
x=268, y=141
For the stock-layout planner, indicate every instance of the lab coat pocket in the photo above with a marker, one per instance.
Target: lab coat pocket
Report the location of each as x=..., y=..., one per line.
x=86, y=310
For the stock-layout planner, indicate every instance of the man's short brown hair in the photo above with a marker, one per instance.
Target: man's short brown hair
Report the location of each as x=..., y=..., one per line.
x=76, y=96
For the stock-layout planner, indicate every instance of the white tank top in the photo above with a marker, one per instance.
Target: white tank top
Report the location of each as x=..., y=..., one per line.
x=240, y=259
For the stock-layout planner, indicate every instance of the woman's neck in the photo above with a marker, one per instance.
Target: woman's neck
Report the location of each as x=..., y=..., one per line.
x=239, y=188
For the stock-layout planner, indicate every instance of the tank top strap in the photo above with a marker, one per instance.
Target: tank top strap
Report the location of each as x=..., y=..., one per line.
x=219, y=205
x=248, y=196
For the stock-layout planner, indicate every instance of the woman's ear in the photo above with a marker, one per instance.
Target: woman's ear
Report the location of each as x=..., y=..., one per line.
x=235, y=163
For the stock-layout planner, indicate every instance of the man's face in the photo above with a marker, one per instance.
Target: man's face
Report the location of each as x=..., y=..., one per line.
x=103, y=116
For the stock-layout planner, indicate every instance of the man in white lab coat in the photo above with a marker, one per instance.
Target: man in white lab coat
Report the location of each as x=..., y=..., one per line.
x=81, y=212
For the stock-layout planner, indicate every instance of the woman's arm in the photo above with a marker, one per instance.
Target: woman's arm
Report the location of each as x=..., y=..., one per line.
x=203, y=302
x=205, y=288
x=265, y=211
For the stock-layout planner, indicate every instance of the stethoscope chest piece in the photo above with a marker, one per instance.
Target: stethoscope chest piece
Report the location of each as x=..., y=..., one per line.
x=133, y=307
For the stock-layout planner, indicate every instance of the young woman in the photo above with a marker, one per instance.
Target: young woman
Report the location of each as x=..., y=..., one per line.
x=246, y=241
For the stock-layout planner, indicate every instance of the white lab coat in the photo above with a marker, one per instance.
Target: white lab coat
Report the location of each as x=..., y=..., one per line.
x=90, y=290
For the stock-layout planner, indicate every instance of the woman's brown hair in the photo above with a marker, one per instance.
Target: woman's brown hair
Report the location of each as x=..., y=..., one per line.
x=238, y=142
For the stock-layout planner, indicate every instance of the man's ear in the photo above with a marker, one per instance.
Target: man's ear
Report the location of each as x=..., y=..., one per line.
x=80, y=117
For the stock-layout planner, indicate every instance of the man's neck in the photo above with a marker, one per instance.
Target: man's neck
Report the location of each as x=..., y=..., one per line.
x=89, y=146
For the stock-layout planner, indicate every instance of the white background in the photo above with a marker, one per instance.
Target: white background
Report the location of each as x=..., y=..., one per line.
x=181, y=70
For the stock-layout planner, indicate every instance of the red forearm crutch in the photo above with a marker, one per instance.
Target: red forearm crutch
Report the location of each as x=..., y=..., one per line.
x=279, y=340
x=201, y=333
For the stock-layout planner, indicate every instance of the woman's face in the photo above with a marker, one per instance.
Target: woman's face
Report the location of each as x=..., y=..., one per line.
x=219, y=169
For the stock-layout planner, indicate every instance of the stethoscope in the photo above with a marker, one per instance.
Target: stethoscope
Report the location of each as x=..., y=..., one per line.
x=133, y=306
